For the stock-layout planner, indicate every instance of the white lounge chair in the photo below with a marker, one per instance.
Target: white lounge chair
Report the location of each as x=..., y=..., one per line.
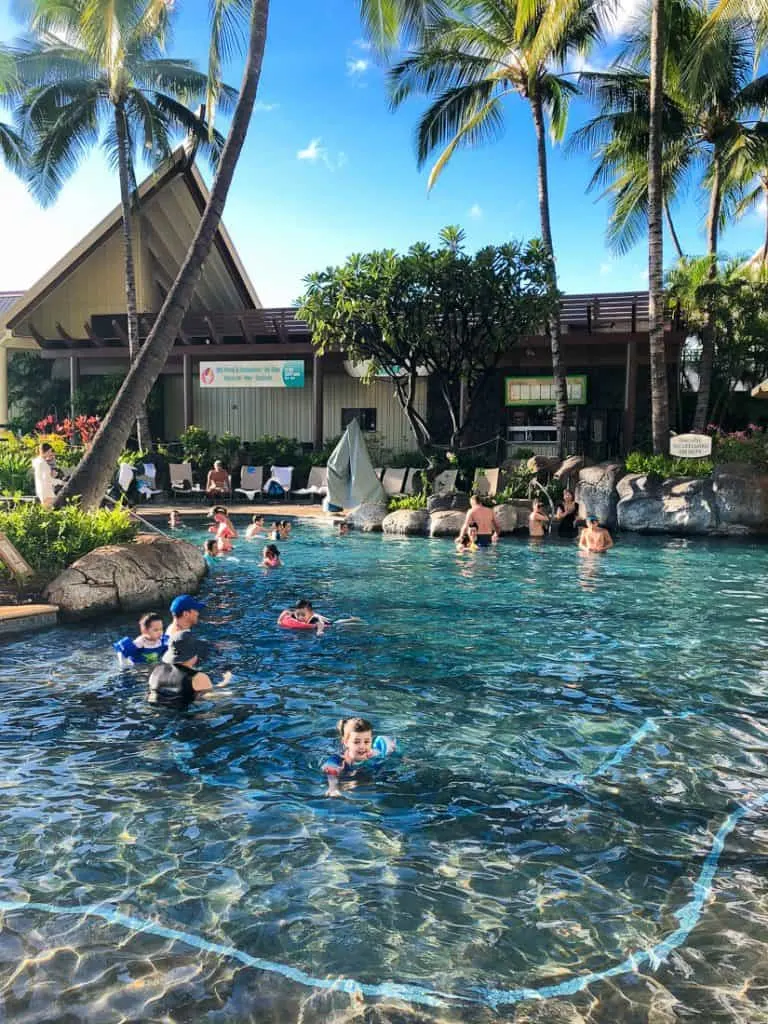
x=393, y=481
x=282, y=476
x=486, y=482
x=146, y=480
x=317, y=484
x=251, y=481
x=445, y=482
x=412, y=481
x=181, y=479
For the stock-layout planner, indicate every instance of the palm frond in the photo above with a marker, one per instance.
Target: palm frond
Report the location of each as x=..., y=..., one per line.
x=431, y=71
x=486, y=122
x=13, y=149
x=180, y=118
x=449, y=116
x=229, y=21
x=389, y=22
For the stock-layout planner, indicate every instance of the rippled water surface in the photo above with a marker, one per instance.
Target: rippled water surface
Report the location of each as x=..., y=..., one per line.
x=574, y=732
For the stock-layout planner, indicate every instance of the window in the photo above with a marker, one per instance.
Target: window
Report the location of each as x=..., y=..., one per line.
x=365, y=417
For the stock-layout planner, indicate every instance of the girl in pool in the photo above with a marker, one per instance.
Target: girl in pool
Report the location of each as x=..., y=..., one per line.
x=223, y=529
x=256, y=528
x=469, y=541
x=210, y=550
x=270, y=557
x=303, y=612
x=359, y=750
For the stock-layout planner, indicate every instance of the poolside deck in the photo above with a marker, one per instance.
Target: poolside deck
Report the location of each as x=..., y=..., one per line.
x=21, y=618
x=270, y=510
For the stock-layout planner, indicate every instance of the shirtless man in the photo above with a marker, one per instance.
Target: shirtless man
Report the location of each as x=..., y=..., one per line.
x=537, y=520
x=594, y=537
x=484, y=518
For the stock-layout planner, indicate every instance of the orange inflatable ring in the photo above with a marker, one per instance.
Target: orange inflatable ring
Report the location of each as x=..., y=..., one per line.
x=288, y=622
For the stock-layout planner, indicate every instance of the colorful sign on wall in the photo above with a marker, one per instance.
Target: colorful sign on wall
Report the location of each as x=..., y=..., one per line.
x=279, y=373
x=541, y=390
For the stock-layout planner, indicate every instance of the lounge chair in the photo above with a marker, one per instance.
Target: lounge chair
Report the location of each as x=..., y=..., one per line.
x=393, y=481
x=317, y=485
x=251, y=481
x=181, y=479
x=280, y=477
x=445, y=482
x=486, y=482
x=379, y=471
x=146, y=480
x=413, y=481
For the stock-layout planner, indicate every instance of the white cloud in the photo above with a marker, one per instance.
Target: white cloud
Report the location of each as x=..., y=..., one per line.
x=266, y=108
x=314, y=152
x=363, y=44
x=358, y=66
x=475, y=211
x=622, y=16
x=605, y=269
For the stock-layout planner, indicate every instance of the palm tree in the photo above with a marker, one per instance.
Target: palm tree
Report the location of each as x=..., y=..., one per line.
x=381, y=19
x=707, y=105
x=12, y=148
x=473, y=60
x=659, y=390
x=94, y=73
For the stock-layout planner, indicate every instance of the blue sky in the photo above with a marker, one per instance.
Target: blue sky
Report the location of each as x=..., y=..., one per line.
x=328, y=170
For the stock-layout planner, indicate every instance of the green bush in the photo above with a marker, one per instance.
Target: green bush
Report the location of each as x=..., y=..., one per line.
x=51, y=539
x=750, y=446
x=665, y=466
x=15, y=472
x=409, y=501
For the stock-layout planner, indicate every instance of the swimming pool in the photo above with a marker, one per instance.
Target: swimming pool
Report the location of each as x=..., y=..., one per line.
x=584, y=752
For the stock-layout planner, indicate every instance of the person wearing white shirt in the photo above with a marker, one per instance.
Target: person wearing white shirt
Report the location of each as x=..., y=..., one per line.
x=41, y=468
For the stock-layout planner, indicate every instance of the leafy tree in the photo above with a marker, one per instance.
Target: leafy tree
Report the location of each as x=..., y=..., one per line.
x=93, y=72
x=708, y=113
x=436, y=311
x=469, y=62
x=383, y=19
x=732, y=306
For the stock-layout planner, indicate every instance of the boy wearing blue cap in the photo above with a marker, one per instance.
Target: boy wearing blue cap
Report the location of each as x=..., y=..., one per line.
x=185, y=610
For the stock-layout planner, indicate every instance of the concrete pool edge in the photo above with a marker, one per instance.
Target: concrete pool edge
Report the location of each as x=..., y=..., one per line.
x=20, y=618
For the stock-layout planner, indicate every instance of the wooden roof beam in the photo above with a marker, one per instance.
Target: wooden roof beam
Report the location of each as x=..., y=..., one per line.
x=63, y=334
x=41, y=341
x=120, y=334
x=213, y=331
x=247, y=335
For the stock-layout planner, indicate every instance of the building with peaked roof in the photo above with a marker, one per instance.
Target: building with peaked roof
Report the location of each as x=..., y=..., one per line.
x=237, y=367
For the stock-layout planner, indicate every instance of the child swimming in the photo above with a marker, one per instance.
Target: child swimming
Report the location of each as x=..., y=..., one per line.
x=210, y=550
x=148, y=647
x=174, y=519
x=270, y=557
x=255, y=528
x=469, y=541
x=359, y=750
x=305, y=613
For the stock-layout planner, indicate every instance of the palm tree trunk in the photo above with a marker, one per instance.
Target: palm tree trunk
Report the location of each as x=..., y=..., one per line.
x=144, y=437
x=706, y=363
x=764, y=182
x=659, y=391
x=553, y=325
x=672, y=232
x=92, y=476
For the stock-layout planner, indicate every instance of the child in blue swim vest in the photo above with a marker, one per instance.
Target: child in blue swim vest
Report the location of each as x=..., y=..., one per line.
x=148, y=647
x=359, y=750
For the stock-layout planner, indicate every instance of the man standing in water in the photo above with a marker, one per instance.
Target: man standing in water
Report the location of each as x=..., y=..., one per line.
x=185, y=610
x=485, y=520
x=594, y=537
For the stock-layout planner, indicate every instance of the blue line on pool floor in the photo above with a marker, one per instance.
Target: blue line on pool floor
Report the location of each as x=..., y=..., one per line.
x=688, y=917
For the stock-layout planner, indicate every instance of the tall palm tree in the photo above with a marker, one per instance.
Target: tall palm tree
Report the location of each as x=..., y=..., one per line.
x=708, y=110
x=381, y=18
x=470, y=62
x=93, y=73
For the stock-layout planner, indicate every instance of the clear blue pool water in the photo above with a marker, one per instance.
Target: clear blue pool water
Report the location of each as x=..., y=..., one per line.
x=574, y=732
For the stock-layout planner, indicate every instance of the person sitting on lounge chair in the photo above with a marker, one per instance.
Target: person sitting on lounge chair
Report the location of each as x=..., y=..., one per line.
x=218, y=484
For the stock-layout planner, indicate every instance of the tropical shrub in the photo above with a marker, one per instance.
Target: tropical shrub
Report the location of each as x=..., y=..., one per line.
x=51, y=539
x=407, y=501
x=15, y=471
x=750, y=445
x=665, y=466
x=197, y=445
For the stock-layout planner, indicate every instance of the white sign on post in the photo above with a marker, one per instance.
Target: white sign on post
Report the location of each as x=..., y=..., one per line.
x=690, y=446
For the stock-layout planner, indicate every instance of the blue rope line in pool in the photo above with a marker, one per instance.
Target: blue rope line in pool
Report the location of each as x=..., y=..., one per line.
x=688, y=917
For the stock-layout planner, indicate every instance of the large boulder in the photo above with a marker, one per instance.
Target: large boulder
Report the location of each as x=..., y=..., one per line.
x=596, y=491
x=741, y=497
x=455, y=501
x=513, y=515
x=543, y=463
x=446, y=524
x=141, y=576
x=569, y=467
x=410, y=521
x=367, y=517
x=679, y=505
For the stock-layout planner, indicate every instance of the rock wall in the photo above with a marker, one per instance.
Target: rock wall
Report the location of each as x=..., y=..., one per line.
x=142, y=576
